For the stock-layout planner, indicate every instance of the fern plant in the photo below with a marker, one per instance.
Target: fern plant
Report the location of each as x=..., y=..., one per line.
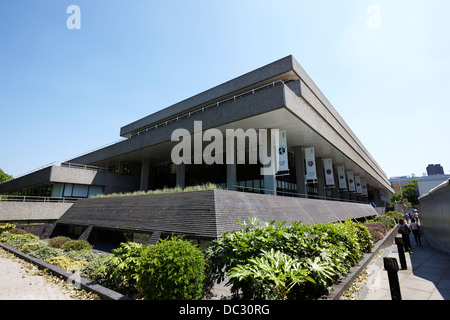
x=275, y=269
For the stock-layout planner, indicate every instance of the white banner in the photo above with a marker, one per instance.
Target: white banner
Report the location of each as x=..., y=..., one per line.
x=341, y=177
x=310, y=164
x=329, y=174
x=364, y=187
x=351, y=182
x=283, y=164
x=358, y=184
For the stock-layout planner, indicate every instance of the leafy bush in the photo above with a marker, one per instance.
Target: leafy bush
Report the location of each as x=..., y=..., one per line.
x=326, y=251
x=82, y=255
x=394, y=214
x=58, y=242
x=42, y=251
x=277, y=269
x=6, y=227
x=17, y=240
x=77, y=245
x=119, y=270
x=17, y=231
x=92, y=270
x=377, y=230
x=66, y=263
x=172, y=269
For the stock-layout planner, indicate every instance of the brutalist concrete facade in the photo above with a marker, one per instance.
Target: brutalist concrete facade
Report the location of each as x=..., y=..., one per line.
x=280, y=96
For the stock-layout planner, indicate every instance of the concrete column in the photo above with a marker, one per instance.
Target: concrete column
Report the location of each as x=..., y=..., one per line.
x=344, y=195
x=300, y=170
x=145, y=174
x=320, y=178
x=335, y=190
x=270, y=181
x=181, y=176
x=231, y=176
x=270, y=184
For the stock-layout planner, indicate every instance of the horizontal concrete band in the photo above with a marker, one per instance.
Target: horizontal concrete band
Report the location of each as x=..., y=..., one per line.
x=29, y=211
x=88, y=285
x=205, y=214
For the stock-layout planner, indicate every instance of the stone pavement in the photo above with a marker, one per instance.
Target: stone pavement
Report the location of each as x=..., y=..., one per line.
x=427, y=276
x=18, y=284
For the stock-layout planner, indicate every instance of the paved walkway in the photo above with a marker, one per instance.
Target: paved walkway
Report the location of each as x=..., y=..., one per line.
x=16, y=283
x=427, y=276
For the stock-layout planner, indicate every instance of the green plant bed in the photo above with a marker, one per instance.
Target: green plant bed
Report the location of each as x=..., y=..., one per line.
x=325, y=251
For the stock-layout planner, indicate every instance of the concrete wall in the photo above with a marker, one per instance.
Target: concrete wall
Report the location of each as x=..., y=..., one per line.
x=32, y=211
x=434, y=215
x=112, y=182
x=204, y=214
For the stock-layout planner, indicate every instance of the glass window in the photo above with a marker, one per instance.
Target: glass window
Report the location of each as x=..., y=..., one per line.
x=68, y=187
x=95, y=190
x=80, y=190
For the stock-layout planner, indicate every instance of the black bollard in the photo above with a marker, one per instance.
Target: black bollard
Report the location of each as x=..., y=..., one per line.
x=401, y=252
x=391, y=266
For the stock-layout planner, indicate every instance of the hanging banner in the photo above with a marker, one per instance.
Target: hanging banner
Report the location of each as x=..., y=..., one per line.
x=341, y=177
x=364, y=187
x=358, y=184
x=310, y=164
x=329, y=175
x=351, y=182
x=283, y=164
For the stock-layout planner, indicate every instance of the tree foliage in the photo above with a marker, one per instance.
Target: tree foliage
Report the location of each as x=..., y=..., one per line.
x=4, y=176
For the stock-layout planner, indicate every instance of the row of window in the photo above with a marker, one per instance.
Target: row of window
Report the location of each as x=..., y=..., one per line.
x=75, y=190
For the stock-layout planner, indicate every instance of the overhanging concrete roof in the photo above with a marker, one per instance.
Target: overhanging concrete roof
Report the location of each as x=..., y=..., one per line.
x=296, y=104
x=282, y=69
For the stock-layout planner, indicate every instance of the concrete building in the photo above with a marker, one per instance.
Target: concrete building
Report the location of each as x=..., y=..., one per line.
x=434, y=169
x=425, y=183
x=279, y=96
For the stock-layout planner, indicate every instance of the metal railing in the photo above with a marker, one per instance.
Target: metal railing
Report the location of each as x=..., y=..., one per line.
x=14, y=198
x=203, y=109
x=63, y=165
x=291, y=194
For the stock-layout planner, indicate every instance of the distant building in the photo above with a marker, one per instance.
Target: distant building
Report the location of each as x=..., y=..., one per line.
x=425, y=182
x=434, y=169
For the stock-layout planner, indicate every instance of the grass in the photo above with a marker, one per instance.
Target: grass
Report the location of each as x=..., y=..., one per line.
x=207, y=186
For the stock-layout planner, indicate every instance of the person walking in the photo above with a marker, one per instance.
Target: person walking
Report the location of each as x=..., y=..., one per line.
x=406, y=216
x=404, y=230
x=415, y=227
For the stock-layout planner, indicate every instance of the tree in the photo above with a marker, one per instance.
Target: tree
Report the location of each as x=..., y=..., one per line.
x=410, y=192
x=4, y=176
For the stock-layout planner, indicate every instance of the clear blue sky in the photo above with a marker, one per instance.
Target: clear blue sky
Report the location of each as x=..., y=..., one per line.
x=64, y=92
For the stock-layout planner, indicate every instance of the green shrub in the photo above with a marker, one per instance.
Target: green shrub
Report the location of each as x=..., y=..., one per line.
x=172, y=269
x=82, y=255
x=77, y=245
x=326, y=251
x=92, y=271
x=66, y=263
x=377, y=230
x=6, y=227
x=395, y=214
x=120, y=269
x=17, y=240
x=58, y=242
x=42, y=251
x=279, y=271
x=17, y=231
